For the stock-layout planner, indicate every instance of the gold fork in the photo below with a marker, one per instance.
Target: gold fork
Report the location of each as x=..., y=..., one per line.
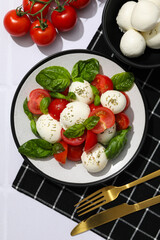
x=108, y=194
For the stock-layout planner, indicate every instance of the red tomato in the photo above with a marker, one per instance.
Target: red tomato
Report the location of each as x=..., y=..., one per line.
x=91, y=141
x=122, y=121
x=75, y=152
x=35, y=98
x=27, y=4
x=61, y=157
x=65, y=20
x=127, y=101
x=73, y=141
x=65, y=92
x=79, y=4
x=15, y=25
x=56, y=107
x=93, y=107
x=102, y=83
x=43, y=37
x=107, y=119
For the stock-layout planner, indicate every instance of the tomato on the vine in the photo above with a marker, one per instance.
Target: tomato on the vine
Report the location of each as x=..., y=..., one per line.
x=16, y=23
x=64, y=19
x=42, y=32
x=33, y=8
x=79, y=4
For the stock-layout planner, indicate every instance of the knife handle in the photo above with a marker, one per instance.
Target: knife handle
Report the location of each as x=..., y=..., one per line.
x=147, y=203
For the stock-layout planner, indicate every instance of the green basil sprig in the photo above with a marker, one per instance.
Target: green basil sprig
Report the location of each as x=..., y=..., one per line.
x=44, y=104
x=97, y=99
x=54, y=78
x=117, y=144
x=69, y=97
x=85, y=69
x=40, y=148
x=123, y=81
x=77, y=130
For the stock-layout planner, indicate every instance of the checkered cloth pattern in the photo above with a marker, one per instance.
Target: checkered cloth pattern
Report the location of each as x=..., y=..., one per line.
x=144, y=224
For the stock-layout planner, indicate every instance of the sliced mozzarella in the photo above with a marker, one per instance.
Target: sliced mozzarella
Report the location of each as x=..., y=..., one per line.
x=114, y=100
x=48, y=128
x=107, y=135
x=83, y=91
x=95, y=160
x=74, y=113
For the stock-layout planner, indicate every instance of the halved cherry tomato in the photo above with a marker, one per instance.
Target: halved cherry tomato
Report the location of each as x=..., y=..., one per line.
x=35, y=98
x=61, y=157
x=102, y=83
x=33, y=8
x=91, y=141
x=75, y=152
x=56, y=107
x=79, y=4
x=93, y=107
x=74, y=141
x=107, y=119
x=127, y=101
x=122, y=121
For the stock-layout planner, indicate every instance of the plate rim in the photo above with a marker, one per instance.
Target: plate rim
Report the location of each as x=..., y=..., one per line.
x=13, y=125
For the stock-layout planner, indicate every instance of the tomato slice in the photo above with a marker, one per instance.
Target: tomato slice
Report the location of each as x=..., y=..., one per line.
x=35, y=98
x=93, y=107
x=75, y=152
x=73, y=141
x=122, y=121
x=61, y=157
x=56, y=107
x=107, y=119
x=102, y=83
x=91, y=141
x=127, y=101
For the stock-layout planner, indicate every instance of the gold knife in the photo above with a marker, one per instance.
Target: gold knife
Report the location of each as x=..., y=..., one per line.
x=113, y=214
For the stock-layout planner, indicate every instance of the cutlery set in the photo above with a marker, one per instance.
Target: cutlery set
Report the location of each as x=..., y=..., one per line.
x=106, y=195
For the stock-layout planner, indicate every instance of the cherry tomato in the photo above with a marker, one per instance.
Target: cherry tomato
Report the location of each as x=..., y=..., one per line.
x=65, y=20
x=122, y=121
x=102, y=83
x=61, y=157
x=75, y=152
x=93, y=107
x=56, y=107
x=27, y=6
x=42, y=37
x=91, y=141
x=35, y=98
x=65, y=92
x=15, y=25
x=79, y=4
x=73, y=141
x=127, y=101
x=107, y=119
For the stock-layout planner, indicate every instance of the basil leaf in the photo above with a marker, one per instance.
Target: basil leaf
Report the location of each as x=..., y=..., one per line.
x=116, y=144
x=77, y=79
x=91, y=122
x=33, y=127
x=123, y=81
x=54, y=78
x=36, y=148
x=44, y=104
x=74, y=131
x=57, y=148
x=71, y=96
x=85, y=69
x=97, y=100
x=26, y=109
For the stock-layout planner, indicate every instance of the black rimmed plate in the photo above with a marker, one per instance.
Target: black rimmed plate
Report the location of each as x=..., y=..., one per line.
x=74, y=173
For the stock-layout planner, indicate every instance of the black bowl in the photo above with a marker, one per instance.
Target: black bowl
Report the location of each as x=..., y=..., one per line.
x=112, y=36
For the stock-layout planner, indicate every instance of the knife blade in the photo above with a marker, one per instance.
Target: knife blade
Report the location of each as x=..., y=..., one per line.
x=113, y=214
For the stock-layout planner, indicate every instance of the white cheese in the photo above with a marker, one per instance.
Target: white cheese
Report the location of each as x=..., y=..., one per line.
x=107, y=135
x=153, y=37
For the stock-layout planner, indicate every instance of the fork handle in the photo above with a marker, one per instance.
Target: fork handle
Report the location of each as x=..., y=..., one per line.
x=141, y=180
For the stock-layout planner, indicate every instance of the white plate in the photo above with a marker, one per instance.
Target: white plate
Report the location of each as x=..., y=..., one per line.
x=74, y=173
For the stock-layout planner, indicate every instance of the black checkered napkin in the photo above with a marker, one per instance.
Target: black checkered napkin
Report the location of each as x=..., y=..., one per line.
x=137, y=226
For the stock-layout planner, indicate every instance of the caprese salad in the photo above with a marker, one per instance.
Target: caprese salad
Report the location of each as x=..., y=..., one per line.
x=78, y=116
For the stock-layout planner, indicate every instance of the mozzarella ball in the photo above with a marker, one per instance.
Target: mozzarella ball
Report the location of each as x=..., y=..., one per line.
x=124, y=16
x=48, y=128
x=95, y=160
x=74, y=113
x=156, y=2
x=145, y=16
x=132, y=44
x=153, y=37
x=114, y=100
x=83, y=91
x=107, y=135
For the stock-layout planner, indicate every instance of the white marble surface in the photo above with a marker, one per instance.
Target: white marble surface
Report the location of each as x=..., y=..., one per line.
x=21, y=217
